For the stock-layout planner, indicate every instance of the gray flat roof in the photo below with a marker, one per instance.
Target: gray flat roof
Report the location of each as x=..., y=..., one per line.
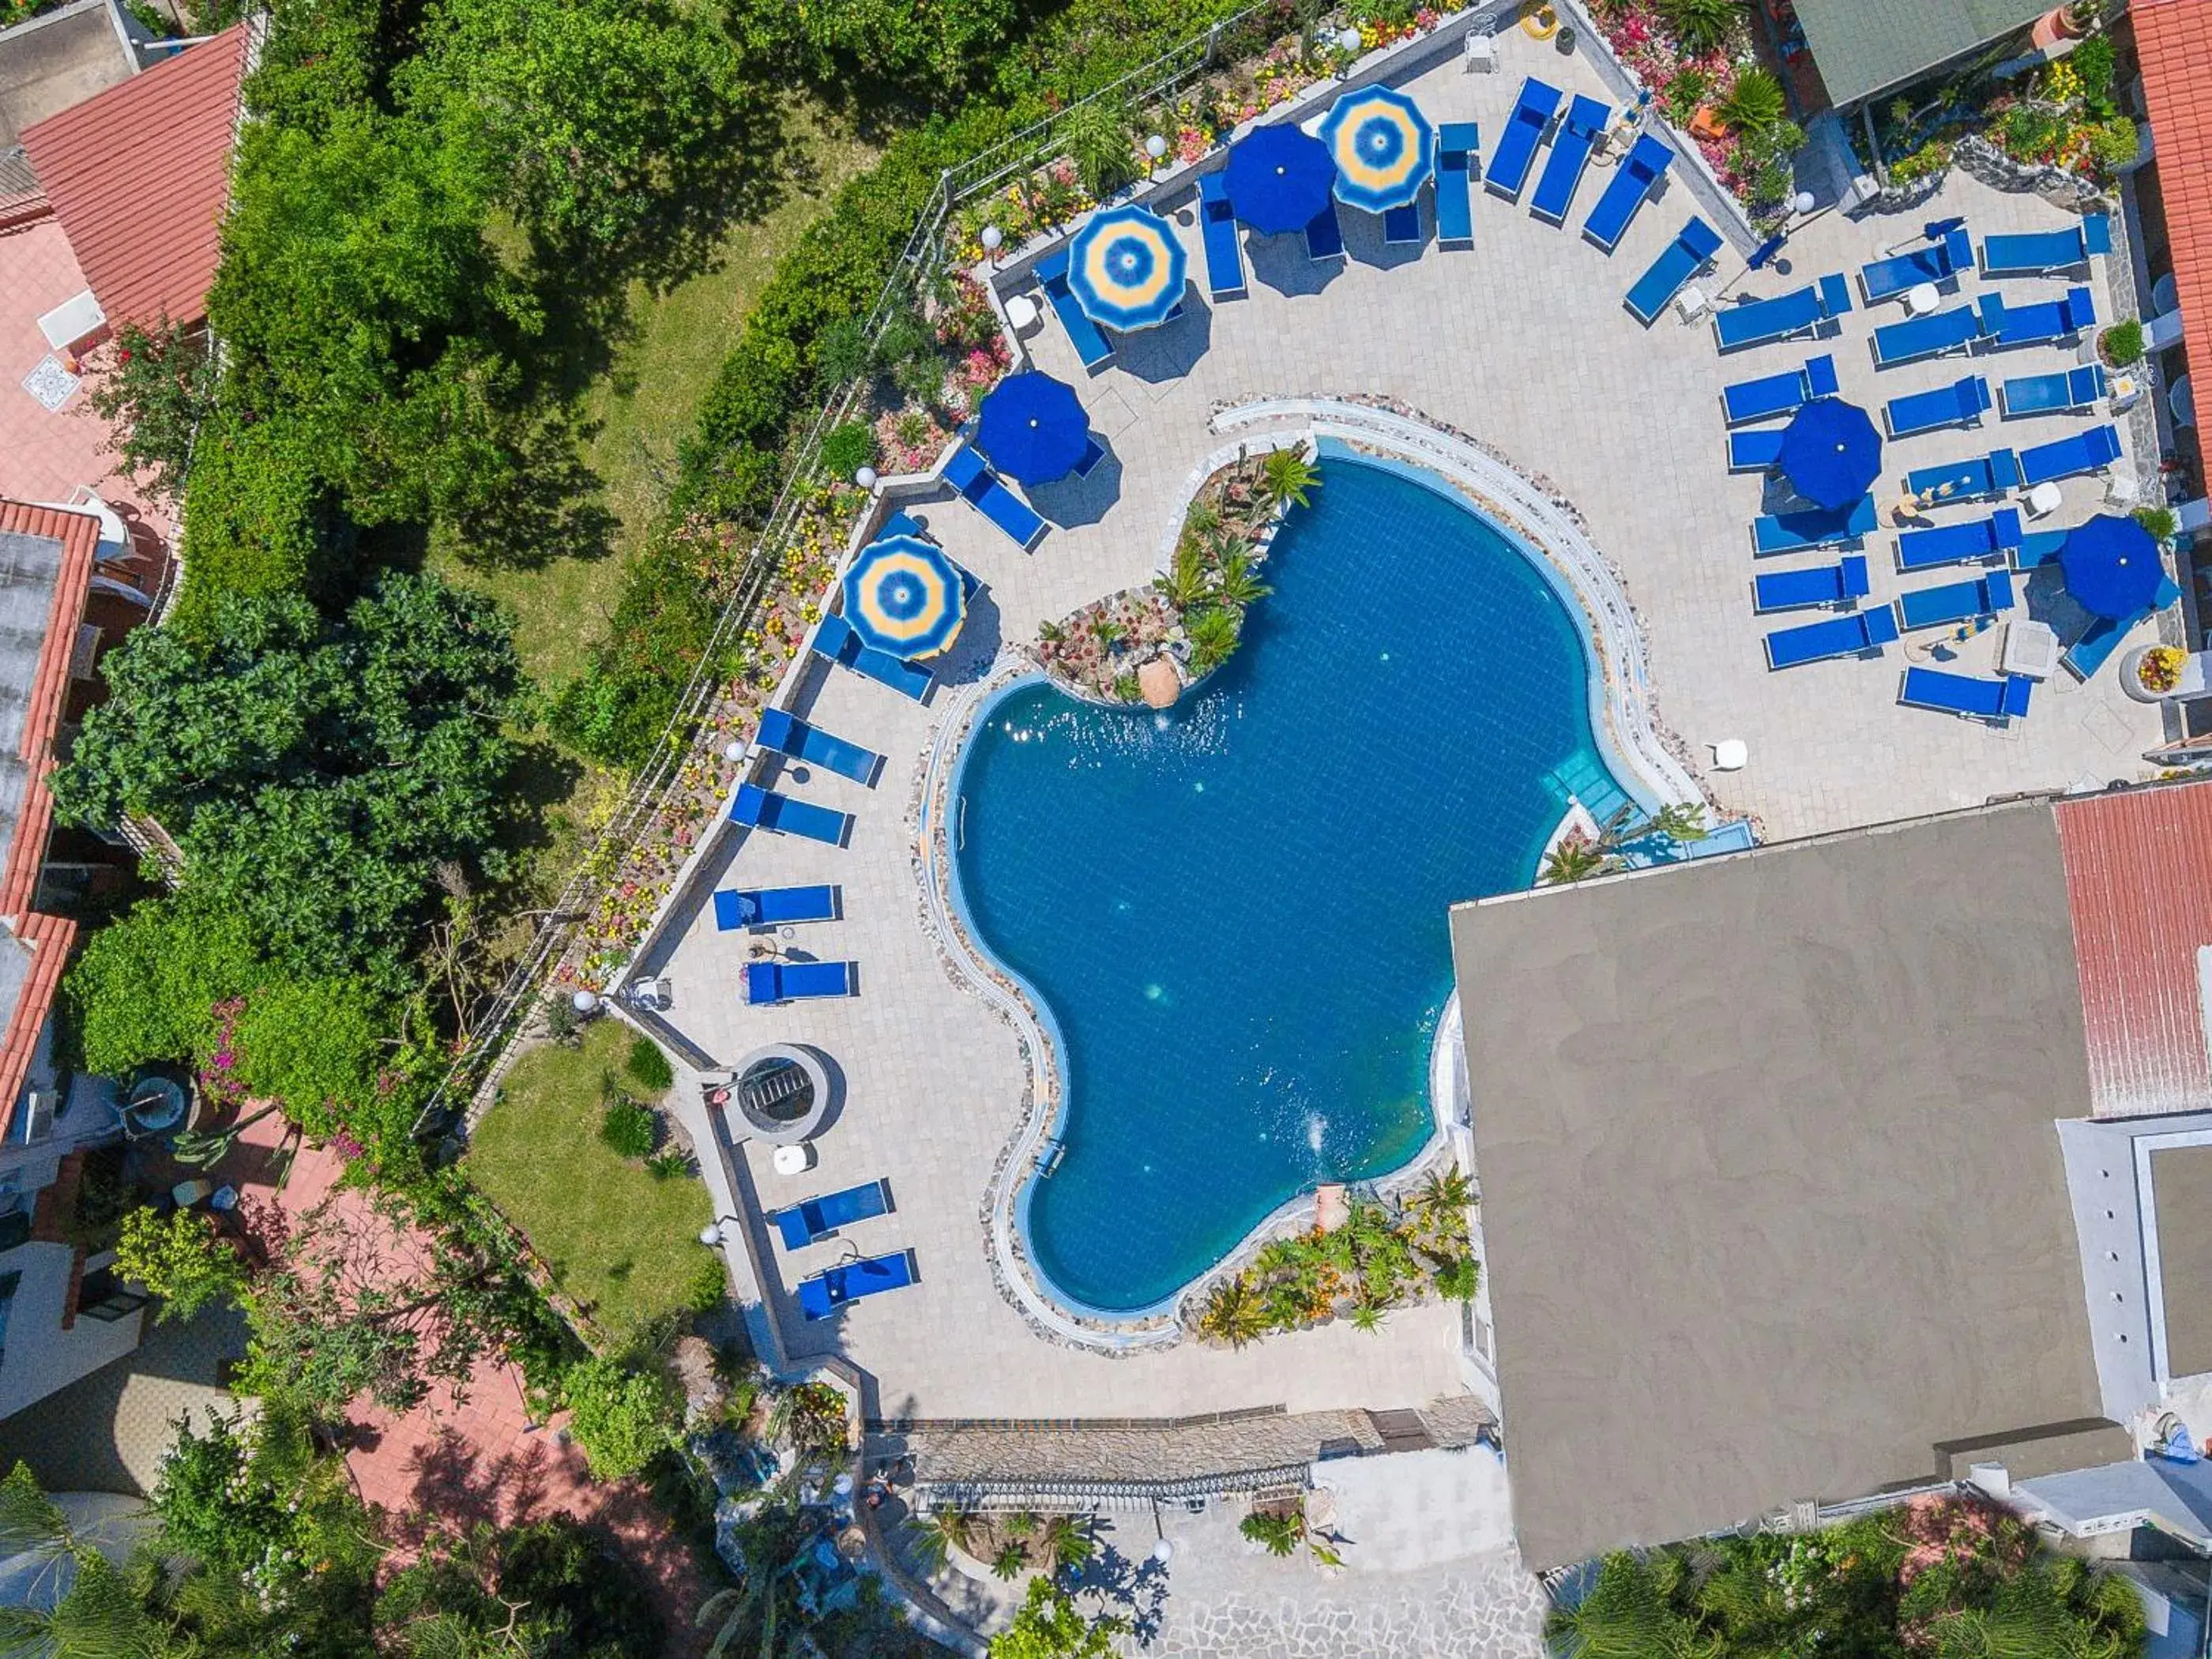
x=58, y=60
x=1772, y=1203
x=2181, y=1191
x=1866, y=47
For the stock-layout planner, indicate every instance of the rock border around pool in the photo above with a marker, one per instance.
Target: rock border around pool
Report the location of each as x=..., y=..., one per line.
x=1543, y=525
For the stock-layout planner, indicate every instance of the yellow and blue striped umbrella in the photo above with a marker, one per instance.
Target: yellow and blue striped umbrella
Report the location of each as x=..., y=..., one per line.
x=1382, y=147
x=905, y=597
x=1127, y=269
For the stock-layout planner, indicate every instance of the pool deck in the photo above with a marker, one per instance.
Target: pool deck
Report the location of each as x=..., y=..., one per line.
x=1523, y=343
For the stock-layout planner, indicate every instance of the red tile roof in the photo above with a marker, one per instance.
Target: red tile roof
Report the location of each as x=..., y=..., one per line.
x=2173, y=38
x=2139, y=884
x=139, y=176
x=50, y=939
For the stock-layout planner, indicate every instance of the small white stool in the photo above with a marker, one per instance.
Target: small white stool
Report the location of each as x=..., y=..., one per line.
x=2029, y=649
x=1730, y=755
x=1689, y=304
x=793, y=1160
x=1921, y=299
x=1021, y=312
x=2043, y=500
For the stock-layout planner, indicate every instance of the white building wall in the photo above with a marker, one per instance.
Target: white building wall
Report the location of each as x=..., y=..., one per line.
x=38, y=1356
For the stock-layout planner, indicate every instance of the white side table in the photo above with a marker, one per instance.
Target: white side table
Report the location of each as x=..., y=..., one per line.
x=793, y=1160
x=1730, y=755
x=1021, y=312
x=1689, y=304
x=2029, y=649
x=2043, y=500
x=1921, y=299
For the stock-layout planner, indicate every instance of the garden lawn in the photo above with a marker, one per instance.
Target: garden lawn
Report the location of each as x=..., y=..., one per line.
x=622, y=1243
x=649, y=399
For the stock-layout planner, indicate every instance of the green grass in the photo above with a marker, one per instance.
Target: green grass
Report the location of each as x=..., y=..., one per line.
x=647, y=402
x=624, y=1245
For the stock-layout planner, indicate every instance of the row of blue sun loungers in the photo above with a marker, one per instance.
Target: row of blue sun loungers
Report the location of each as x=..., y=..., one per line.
x=2039, y=253
x=1802, y=311
x=1820, y=527
x=740, y=908
x=1963, y=403
x=815, y=1219
x=2059, y=393
x=1960, y=544
x=1825, y=584
x=822, y=1296
x=2047, y=322
x=1775, y=395
x=1956, y=601
x=768, y=982
x=2004, y=698
x=1937, y=263
x=1850, y=636
x=756, y=808
x=1663, y=279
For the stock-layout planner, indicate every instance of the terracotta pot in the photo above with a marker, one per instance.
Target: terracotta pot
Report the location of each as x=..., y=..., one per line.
x=1706, y=124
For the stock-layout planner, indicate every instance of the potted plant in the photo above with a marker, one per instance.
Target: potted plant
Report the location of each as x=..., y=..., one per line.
x=2158, y=669
x=2121, y=344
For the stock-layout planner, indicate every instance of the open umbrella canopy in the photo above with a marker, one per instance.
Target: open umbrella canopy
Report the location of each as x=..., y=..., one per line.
x=903, y=596
x=1382, y=146
x=2112, y=566
x=1830, y=453
x=1033, y=428
x=1279, y=178
x=1127, y=268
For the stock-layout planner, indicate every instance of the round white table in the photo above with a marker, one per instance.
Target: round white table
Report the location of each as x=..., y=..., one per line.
x=2043, y=500
x=793, y=1160
x=1922, y=299
x=1021, y=311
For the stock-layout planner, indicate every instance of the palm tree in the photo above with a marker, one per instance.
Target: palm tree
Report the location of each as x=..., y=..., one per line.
x=90, y=1610
x=1701, y=26
x=1066, y=1542
x=1009, y=1561
x=751, y=1612
x=1213, y=636
x=1096, y=137
x=1623, y=1616
x=1287, y=478
x=1445, y=1197
x=1575, y=859
x=1233, y=1314
x=937, y=1533
x=1187, y=581
x=1239, y=584
x=1020, y=1524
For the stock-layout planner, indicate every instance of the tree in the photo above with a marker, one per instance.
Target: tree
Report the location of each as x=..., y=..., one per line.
x=941, y=1531
x=73, y=1604
x=553, y=1587
x=180, y=1259
x=623, y=1418
x=1702, y=26
x=1573, y=859
x=935, y=49
x=154, y=393
x=1238, y=583
x=316, y=774
x=1233, y=1314
x=1623, y=1615
x=1049, y=1625
x=1288, y=479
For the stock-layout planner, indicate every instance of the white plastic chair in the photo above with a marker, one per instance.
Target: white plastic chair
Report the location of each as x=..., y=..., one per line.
x=1481, y=53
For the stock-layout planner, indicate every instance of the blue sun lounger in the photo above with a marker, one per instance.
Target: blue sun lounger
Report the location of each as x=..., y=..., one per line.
x=1457, y=142
x=756, y=808
x=2038, y=548
x=822, y=1296
x=1525, y=130
x=1091, y=344
x=1978, y=479
x=833, y=638
x=1224, y=253
x=1969, y=694
x=2102, y=637
x=1956, y=544
x=1802, y=311
x=1937, y=262
x=739, y=907
x=1663, y=278
x=1569, y=158
x=1824, y=584
x=1936, y=335
x=815, y=1218
x=1754, y=448
x=809, y=744
x=796, y=981
x=1774, y=395
x=980, y=487
x=1646, y=163
x=1839, y=636
x=1957, y=602
x=1324, y=236
x=2059, y=393
x=2084, y=452
x=2048, y=322
x=1793, y=532
x=2038, y=253
x=1962, y=403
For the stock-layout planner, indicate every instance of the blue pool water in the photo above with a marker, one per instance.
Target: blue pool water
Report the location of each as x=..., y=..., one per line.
x=1236, y=914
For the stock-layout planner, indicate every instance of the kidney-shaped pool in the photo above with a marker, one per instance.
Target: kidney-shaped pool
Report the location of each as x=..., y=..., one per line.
x=1235, y=914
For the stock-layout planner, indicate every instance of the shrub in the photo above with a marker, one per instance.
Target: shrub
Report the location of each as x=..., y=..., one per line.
x=156, y=393
x=2122, y=343
x=2094, y=63
x=623, y=1418
x=628, y=1129
x=848, y=449
x=709, y=1286
x=1683, y=96
x=2028, y=133
x=670, y=1164
x=1926, y=163
x=178, y=1258
x=1755, y=105
x=1096, y=137
x=2113, y=144
x=1702, y=26
x=2160, y=522
x=648, y=1067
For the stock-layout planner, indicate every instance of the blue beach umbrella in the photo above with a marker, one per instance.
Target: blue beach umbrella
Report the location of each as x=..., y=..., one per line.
x=1382, y=146
x=2112, y=566
x=1830, y=453
x=1033, y=428
x=905, y=597
x=1279, y=178
x=1127, y=268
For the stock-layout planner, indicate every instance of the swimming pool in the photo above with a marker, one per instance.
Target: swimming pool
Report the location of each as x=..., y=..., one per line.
x=1235, y=914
